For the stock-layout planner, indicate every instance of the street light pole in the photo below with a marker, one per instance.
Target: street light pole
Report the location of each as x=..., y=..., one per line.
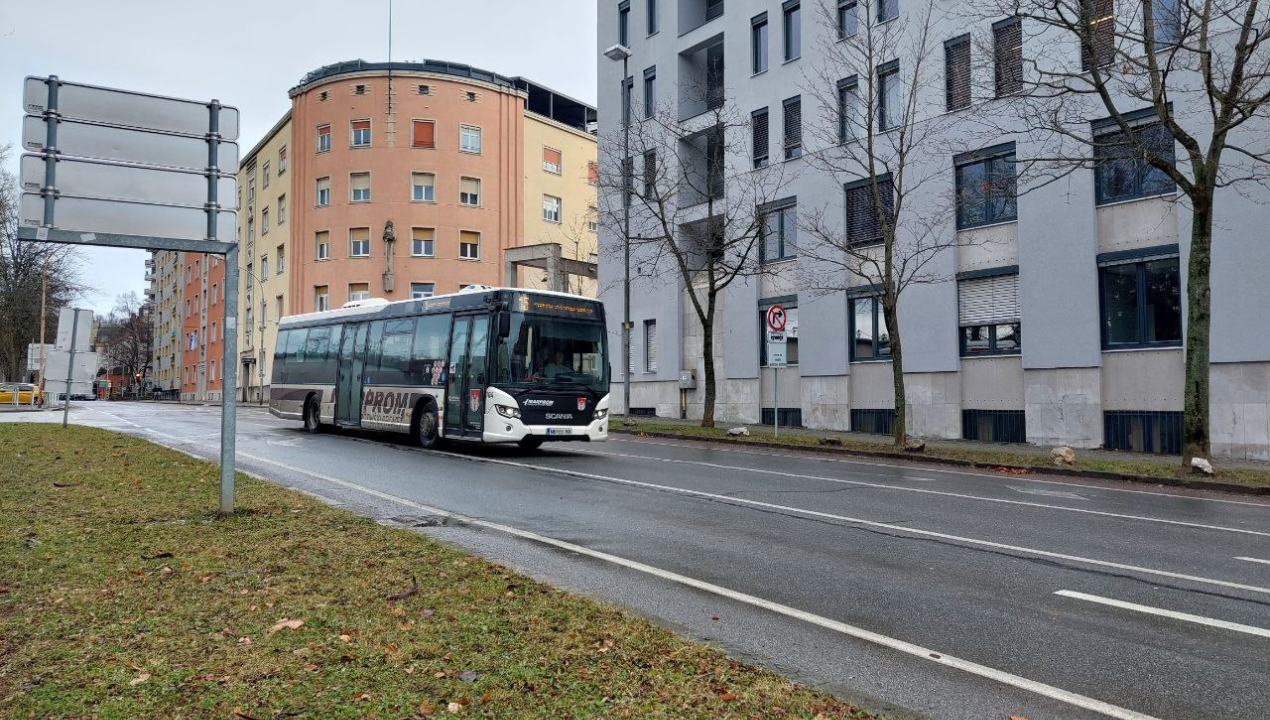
x=623, y=53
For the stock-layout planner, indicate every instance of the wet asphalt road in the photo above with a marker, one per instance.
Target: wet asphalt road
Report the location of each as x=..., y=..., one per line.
x=921, y=591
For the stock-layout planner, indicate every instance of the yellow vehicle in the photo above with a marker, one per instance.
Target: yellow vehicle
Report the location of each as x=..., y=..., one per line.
x=25, y=394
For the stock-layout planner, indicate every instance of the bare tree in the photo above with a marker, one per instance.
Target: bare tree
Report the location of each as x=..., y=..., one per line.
x=128, y=333
x=879, y=139
x=1163, y=73
x=695, y=201
x=22, y=266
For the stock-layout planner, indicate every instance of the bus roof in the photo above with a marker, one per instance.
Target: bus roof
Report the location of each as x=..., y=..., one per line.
x=470, y=299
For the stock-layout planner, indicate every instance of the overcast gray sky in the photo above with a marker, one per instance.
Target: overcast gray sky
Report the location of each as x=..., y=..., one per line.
x=248, y=53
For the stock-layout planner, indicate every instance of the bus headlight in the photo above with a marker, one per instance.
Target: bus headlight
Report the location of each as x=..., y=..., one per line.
x=507, y=412
x=600, y=415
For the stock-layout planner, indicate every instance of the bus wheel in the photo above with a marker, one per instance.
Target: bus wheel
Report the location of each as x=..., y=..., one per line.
x=427, y=430
x=530, y=443
x=312, y=415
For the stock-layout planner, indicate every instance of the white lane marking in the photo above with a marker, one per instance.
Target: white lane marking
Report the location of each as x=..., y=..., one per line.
x=1256, y=560
x=945, y=493
x=981, y=475
x=908, y=648
x=861, y=521
x=1172, y=614
x=1050, y=493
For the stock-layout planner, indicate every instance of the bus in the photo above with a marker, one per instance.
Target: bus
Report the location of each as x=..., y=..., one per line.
x=496, y=365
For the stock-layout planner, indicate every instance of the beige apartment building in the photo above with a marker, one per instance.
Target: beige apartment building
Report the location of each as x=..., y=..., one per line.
x=484, y=180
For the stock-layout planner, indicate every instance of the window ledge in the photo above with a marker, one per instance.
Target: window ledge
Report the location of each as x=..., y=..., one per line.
x=791, y=60
x=871, y=361
x=425, y=257
x=1113, y=203
x=986, y=356
x=780, y=261
x=1143, y=348
x=424, y=202
x=756, y=74
x=995, y=223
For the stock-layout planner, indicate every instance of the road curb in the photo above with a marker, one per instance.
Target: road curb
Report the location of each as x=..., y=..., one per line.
x=1233, y=488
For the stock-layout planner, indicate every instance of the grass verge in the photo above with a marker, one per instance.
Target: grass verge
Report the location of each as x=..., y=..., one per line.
x=123, y=596
x=1166, y=469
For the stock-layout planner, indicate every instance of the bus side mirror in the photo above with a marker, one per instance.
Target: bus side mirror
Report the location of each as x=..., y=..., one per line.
x=504, y=324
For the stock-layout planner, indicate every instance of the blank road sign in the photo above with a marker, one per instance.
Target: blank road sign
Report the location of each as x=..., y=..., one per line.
x=104, y=181
x=129, y=109
x=90, y=216
x=103, y=142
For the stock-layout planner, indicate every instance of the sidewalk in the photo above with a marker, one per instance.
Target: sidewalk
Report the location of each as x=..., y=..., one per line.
x=1241, y=476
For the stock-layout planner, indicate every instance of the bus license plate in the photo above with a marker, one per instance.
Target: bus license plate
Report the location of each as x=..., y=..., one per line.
x=559, y=431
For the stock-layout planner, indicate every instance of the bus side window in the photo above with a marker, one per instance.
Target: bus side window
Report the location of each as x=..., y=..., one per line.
x=394, y=354
x=432, y=337
x=280, y=358
x=374, y=343
x=316, y=349
x=296, y=371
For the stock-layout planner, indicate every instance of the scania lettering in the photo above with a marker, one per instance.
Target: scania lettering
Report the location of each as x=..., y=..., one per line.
x=482, y=365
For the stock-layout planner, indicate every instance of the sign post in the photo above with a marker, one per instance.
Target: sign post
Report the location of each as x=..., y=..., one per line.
x=137, y=171
x=776, y=320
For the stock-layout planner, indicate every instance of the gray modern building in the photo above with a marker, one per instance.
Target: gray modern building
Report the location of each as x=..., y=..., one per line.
x=1060, y=313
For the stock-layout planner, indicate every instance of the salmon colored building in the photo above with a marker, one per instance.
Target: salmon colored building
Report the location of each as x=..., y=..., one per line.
x=409, y=179
x=202, y=326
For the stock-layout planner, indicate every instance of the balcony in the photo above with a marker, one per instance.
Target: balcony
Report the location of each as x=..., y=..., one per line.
x=703, y=159
x=695, y=13
x=701, y=78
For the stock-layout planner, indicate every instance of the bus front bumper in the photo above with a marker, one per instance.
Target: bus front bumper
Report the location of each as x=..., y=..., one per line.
x=503, y=429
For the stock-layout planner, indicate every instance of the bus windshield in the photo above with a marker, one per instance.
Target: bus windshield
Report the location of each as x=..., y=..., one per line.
x=543, y=351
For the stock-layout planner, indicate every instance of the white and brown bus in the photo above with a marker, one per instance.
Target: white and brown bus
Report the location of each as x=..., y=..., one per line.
x=483, y=364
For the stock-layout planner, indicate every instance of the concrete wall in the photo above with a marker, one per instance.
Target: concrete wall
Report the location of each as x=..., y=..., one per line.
x=1240, y=410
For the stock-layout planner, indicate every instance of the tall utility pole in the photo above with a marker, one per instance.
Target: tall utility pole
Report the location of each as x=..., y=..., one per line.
x=44, y=287
x=623, y=53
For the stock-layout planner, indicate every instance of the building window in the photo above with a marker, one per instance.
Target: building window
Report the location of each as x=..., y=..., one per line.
x=215, y=294
x=624, y=23
x=358, y=291
x=758, y=43
x=324, y=96
x=793, y=127
x=423, y=187
x=470, y=139
x=323, y=192
x=715, y=89
x=359, y=187
x=890, y=115
x=1007, y=47
x=424, y=90
x=1098, y=30
x=551, y=209
x=552, y=160
x=323, y=242
x=759, y=131
x=628, y=181
x=471, y=96
x=994, y=425
x=986, y=187
x=864, y=221
x=848, y=20
x=469, y=245
x=650, y=346
x=1143, y=431
x=323, y=138
x=779, y=236
x=793, y=29
x=652, y=17
x=419, y=291
x=264, y=175
x=650, y=92
x=282, y=209
x=264, y=266
x=281, y=254
x=359, y=242
x=1121, y=169
x=282, y=161
x=422, y=242
x=359, y=89
x=888, y=10
x=360, y=133
x=714, y=9
x=1167, y=21
x=957, y=73
x=848, y=108
x=650, y=175
x=264, y=221
x=593, y=172
x=423, y=134
x=870, y=339
x=791, y=332
x=470, y=192
x=988, y=314
x=1141, y=304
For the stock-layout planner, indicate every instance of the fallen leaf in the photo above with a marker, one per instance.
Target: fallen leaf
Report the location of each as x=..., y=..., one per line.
x=727, y=697
x=390, y=649
x=426, y=708
x=1017, y=717
x=136, y=572
x=139, y=679
x=242, y=715
x=310, y=667
x=454, y=708
x=487, y=697
x=160, y=556
x=361, y=697
x=464, y=701
x=244, y=641
x=345, y=637
x=285, y=624
x=438, y=674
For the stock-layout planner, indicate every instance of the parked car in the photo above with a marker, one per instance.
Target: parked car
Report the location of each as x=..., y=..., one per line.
x=25, y=392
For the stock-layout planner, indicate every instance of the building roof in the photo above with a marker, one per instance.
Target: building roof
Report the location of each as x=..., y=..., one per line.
x=540, y=99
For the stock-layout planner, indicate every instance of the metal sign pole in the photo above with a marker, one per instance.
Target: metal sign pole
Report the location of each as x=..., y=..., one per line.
x=70, y=366
x=229, y=328
x=776, y=406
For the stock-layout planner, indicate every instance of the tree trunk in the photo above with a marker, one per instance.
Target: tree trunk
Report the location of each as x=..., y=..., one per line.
x=899, y=433
x=1195, y=440
x=707, y=357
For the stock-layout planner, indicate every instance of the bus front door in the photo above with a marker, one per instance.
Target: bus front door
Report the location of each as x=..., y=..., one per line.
x=348, y=380
x=466, y=381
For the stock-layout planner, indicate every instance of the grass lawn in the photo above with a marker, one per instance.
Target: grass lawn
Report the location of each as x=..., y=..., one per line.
x=1166, y=467
x=123, y=596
